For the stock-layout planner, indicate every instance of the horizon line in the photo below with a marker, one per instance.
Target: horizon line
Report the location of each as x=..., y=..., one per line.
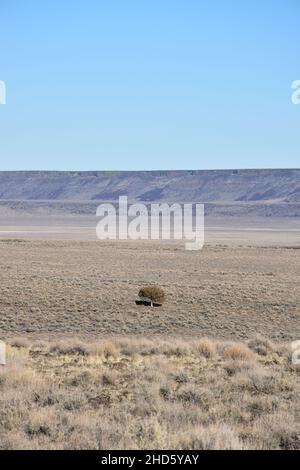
x=152, y=171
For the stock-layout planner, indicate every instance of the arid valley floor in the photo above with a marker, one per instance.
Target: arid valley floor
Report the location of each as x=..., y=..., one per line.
x=211, y=368
x=238, y=285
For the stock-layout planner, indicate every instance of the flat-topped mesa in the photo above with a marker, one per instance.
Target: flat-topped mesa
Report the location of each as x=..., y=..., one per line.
x=280, y=185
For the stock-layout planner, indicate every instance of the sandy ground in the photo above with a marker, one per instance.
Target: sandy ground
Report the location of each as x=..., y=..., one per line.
x=234, y=231
x=57, y=281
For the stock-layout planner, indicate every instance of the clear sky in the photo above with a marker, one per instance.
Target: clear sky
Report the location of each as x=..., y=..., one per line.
x=156, y=84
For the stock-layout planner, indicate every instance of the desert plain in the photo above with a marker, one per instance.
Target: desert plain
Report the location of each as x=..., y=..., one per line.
x=88, y=368
x=240, y=283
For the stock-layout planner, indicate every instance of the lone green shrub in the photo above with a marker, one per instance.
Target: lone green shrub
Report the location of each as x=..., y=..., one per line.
x=153, y=294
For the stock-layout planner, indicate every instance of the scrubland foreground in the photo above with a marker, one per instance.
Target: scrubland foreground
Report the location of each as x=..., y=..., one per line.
x=130, y=393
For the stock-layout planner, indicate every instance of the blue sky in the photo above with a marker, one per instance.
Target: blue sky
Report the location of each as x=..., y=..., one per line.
x=160, y=84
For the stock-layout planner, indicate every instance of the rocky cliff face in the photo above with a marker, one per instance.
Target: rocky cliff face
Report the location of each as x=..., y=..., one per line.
x=230, y=192
x=196, y=186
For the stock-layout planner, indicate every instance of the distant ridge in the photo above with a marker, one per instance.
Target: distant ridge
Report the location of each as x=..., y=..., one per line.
x=203, y=185
x=276, y=190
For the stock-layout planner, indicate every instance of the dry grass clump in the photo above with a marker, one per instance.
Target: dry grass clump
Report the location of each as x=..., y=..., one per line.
x=176, y=347
x=165, y=395
x=277, y=430
x=146, y=347
x=213, y=437
x=233, y=366
x=65, y=347
x=261, y=345
x=238, y=352
x=19, y=342
x=195, y=395
x=105, y=348
x=134, y=345
x=109, y=378
x=206, y=347
x=261, y=381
